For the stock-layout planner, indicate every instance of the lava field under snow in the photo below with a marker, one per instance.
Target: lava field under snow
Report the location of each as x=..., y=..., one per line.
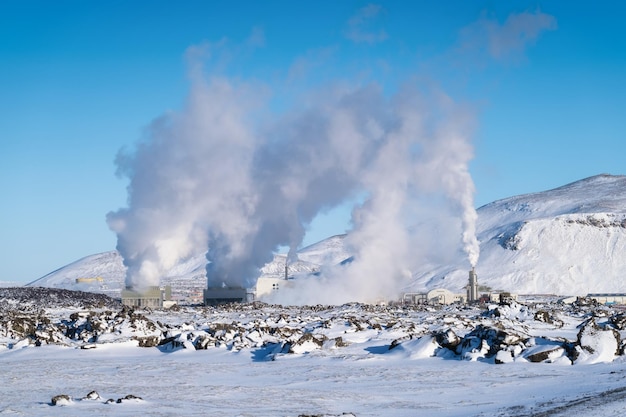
x=582, y=332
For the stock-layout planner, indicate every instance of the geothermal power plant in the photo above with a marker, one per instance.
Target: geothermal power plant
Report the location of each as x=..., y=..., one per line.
x=157, y=297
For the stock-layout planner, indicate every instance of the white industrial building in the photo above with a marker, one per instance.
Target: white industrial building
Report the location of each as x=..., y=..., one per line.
x=439, y=296
x=608, y=298
x=436, y=296
x=266, y=286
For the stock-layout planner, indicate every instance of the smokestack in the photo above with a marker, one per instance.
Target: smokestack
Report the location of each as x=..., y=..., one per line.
x=472, y=288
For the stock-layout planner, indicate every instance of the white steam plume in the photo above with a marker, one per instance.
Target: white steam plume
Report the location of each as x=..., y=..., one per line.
x=445, y=166
x=173, y=174
x=212, y=177
x=418, y=149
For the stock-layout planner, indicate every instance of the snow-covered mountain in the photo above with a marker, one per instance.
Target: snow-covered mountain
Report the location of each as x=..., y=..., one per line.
x=569, y=240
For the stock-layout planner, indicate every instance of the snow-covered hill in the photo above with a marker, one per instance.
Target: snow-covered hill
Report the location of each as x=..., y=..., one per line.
x=103, y=272
x=570, y=240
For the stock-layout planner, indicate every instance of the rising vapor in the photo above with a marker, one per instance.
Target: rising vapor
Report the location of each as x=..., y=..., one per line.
x=189, y=179
x=232, y=176
x=415, y=174
x=227, y=176
x=214, y=177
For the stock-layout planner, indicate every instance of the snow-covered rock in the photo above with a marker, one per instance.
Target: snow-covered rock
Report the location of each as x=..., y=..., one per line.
x=579, y=334
x=544, y=350
x=92, y=395
x=308, y=342
x=61, y=399
x=420, y=348
x=596, y=344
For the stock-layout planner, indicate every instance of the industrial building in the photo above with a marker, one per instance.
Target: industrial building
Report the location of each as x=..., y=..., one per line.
x=89, y=280
x=267, y=285
x=608, y=298
x=442, y=296
x=225, y=295
x=436, y=296
x=153, y=297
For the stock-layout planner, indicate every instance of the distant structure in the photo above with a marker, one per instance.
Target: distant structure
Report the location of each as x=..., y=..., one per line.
x=472, y=288
x=608, y=298
x=214, y=296
x=153, y=297
x=267, y=285
x=442, y=296
x=433, y=297
x=89, y=280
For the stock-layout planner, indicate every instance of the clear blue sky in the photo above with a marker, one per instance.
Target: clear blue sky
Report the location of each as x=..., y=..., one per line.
x=80, y=79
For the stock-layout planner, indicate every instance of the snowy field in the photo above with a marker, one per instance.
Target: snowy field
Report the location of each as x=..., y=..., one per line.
x=223, y=383
x=544, y=359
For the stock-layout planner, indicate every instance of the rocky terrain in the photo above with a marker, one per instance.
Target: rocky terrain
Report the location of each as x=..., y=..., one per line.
x=548, y=331
x=35, y=298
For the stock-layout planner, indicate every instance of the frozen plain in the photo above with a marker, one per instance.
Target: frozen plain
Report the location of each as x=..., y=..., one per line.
x=363, y=378
x=222, y=383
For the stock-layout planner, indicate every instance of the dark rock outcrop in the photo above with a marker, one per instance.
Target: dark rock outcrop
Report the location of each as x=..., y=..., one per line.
x=61, y=399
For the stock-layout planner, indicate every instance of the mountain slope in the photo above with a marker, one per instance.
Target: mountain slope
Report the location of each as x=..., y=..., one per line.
x=569, y=240
x=104, y=272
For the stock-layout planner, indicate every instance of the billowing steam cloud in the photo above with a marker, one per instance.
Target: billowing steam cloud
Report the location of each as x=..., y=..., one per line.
x=226, y=176
x=410, y=154
x=213, y=177
x=229, y=177
x=190, y=180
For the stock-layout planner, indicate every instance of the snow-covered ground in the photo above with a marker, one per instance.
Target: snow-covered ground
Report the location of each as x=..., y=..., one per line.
x=221, y=383
x=542, y=359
